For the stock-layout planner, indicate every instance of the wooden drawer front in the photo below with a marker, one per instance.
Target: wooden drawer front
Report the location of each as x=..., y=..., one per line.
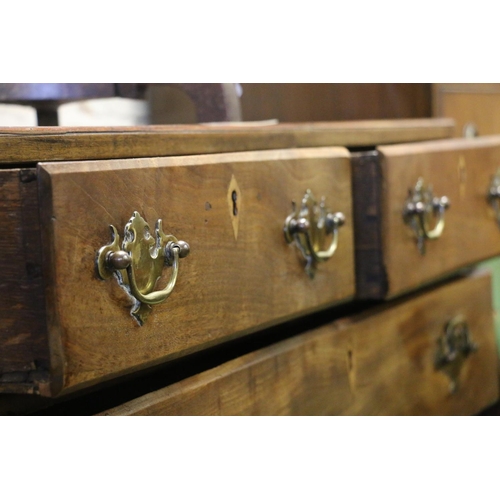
x=241, y=274
x=374, y=364
x=460, y=169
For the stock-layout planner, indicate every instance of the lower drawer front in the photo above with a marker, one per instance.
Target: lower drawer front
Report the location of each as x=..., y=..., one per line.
x=409, y=359
x=240, y=274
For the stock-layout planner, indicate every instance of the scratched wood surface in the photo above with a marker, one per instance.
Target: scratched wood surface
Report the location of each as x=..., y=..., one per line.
x=23, y=339
x=373, y=364
x=461, y=169
x=231, y=283
x=32, y=144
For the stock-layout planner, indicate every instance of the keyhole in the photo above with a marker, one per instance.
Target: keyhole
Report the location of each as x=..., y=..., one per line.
x=234, y=197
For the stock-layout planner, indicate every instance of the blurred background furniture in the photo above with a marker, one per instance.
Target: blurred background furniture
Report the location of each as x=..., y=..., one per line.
x=304, y=102
x=475, y=107
x=211, y=101
x=113, y=104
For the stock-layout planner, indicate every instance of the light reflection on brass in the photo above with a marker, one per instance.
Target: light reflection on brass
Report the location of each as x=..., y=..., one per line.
x=309, y=227
x=420, y=207
x=139, y=261
x=454, y=346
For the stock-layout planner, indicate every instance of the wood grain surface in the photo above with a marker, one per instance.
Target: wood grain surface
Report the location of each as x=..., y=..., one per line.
x=375, y=364
x=469, y=103
x=461, y=169
x=35, y=144
x=299, y=102
x=371, y=277
x=231, y=283
x=23, y=339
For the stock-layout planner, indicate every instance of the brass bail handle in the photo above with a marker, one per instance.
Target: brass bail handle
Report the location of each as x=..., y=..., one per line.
x=173, y=252
x=139, y=261
x=308, y=228
x=494, y=195
x=420, y=206
x=454, y=346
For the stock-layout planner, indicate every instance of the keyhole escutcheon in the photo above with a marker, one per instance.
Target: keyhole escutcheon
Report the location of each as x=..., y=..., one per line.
x=234, y=197
x=234, y=204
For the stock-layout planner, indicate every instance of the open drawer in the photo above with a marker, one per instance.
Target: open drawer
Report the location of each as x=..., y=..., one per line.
x=128, y=301
x=424, y=210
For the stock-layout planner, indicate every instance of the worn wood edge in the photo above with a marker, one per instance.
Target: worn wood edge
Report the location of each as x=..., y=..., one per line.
x=55, y=144
x=389, y=124
x=467, y=88
x=24, y=364
x=187, y=161
x=117, y=391
x=204, y=378
x=453, y=144
x=465, y=270
x=35, y=382
x=370, y=133
x=57, y=385
x=54, y=332
x=245, y=363
x=371, y=275
x=39, y=375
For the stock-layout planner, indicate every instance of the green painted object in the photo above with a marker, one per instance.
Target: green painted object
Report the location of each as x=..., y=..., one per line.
x=493, y=265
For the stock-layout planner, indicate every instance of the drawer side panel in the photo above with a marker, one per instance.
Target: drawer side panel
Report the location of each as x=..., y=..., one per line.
x=23, y=340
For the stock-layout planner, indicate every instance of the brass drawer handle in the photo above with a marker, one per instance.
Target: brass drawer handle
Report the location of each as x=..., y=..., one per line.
x=494, y=195
x=309, y=226
x=139, y=262
x=420, y=206
x=454, y=346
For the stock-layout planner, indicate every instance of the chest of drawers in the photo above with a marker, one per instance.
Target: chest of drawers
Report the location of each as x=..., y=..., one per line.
x=78, y=312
